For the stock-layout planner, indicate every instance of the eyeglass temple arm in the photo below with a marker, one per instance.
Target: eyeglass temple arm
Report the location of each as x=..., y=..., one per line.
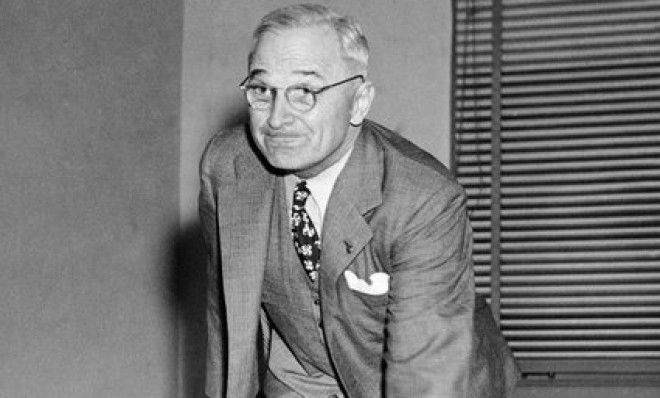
x=322, y=89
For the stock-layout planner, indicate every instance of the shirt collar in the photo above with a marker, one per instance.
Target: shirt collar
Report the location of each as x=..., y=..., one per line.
x=321, y=184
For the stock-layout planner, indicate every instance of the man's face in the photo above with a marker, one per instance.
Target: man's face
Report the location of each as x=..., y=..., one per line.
x=304, y=143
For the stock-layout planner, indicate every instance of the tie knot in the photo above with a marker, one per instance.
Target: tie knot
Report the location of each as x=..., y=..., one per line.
x=301, y=193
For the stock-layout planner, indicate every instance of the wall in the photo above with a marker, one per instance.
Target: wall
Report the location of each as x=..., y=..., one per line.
x=89, y=147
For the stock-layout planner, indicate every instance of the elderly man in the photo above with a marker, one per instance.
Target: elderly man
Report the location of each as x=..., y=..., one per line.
x=339, y=251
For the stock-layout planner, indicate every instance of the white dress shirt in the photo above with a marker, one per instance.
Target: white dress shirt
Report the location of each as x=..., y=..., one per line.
x=320, y=187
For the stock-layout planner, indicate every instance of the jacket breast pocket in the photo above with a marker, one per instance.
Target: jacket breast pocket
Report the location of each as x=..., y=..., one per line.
x=375, y=301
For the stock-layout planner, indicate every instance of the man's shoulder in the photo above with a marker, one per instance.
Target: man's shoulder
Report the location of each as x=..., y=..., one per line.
x=227, y=143
x=407, y=166
x=224, y=150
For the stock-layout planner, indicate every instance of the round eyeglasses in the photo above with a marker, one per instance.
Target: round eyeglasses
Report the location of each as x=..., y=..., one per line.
x=300, y=97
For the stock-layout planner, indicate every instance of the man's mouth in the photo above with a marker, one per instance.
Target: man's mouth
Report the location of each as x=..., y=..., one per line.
x=280, y=134
x=283, y=139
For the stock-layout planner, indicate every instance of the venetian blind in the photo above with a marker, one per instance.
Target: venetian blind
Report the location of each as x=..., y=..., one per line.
x=557, y=141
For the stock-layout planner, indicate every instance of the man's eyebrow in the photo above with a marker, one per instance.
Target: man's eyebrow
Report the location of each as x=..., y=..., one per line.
x=302, y=72
x=256, y=72
x=308, y=73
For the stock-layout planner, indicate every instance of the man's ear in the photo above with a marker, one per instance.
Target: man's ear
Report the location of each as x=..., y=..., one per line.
x=364, y=96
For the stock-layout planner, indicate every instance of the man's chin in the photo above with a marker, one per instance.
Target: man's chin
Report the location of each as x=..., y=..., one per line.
x=285, y=164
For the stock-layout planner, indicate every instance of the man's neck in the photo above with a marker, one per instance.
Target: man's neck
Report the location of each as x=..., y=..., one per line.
x=332, y=159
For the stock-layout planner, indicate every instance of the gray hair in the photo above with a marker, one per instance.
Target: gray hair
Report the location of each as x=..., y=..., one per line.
x=353, y=43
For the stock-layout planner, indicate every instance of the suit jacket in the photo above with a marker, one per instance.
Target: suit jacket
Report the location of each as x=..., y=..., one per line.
x=394, y=209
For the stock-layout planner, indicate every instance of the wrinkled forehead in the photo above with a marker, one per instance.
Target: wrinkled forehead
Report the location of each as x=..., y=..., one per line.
x=316, y=46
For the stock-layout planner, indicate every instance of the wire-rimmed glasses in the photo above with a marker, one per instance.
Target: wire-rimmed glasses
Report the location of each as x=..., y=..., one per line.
x=301, y=97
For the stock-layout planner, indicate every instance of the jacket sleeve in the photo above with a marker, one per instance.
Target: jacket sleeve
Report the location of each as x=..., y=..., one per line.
x=429, y=318
x=215, y=354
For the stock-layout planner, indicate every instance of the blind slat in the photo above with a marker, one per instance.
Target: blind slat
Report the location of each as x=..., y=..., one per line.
x=655, y=354
x=581, y=256
x=590, y=176
x=580, y=64
x=603, y=86
x=553, y=268
x=541, y=290
x=562, y=18
x=587, y=332
x=584, y=99
x=585, y=153
x=569, y=166
x=584, y=189
x=562, y=279
x=590, y=344
x=567, y=301
x=582, y=322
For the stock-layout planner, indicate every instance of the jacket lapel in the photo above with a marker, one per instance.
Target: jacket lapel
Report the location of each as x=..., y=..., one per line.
x=357, y=191
x=244, y=237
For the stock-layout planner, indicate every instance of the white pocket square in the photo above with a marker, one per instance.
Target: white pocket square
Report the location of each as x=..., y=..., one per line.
x=380, y=283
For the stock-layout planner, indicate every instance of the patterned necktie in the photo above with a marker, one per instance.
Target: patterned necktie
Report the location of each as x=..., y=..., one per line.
x=306, y=239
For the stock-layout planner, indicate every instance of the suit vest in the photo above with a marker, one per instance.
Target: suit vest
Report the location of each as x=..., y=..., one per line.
x=290, y=299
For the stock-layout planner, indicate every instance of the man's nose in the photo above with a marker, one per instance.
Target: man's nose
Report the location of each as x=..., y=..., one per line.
x=280, y=112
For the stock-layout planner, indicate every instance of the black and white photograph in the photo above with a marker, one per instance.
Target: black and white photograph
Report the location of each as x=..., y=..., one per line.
x=331, y=199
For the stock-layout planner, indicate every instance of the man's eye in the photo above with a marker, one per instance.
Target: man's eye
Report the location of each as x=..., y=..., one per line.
x=260, y=90
x=300, y=91
x=304, y=90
